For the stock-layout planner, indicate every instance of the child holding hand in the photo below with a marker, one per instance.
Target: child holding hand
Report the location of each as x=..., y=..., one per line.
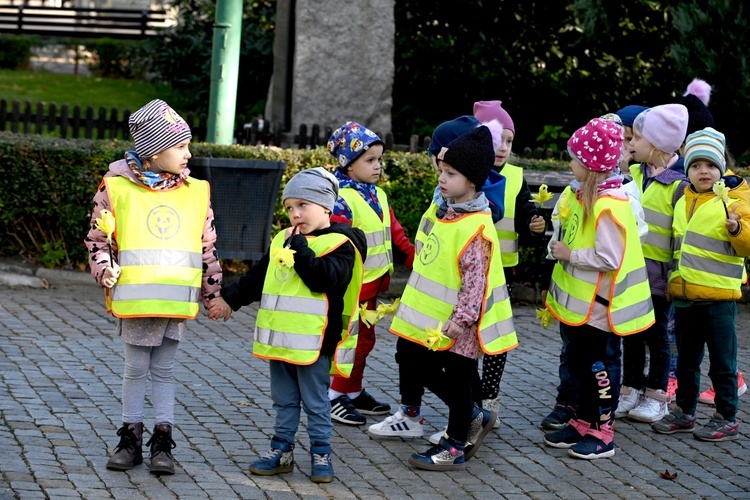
x=307, y=284
x=156, y=266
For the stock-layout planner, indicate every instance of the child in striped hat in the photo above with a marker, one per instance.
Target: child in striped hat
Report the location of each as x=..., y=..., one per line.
x=711, y=230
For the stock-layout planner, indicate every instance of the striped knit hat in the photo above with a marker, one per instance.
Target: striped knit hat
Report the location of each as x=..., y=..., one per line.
x=157, y=127
x=707, y=144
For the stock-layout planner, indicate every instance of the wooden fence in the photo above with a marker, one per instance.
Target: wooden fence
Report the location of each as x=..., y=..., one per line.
x=75, y=122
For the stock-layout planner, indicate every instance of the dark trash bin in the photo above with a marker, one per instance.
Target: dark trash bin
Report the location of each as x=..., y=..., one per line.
x=243, y=196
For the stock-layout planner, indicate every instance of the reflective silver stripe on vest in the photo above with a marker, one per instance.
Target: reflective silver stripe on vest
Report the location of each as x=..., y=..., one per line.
x=591, y=277
x=345, y=356
x=376, y=261
x=498, y=294
x=295, y=341
x=415, y=318
x=633, y=278
x=374, y=239
x=569, y=302
x=631, y=312
x=677, y=243
x=433, y=288
x=176, y=258
x=388, y=235
x=506, y=224
x=156, y=292
x=498, y=330
x=426, y=226
x=711, y=266
x=286, y=303
x=659, y=241
x=508, y=246
x=659, y=219
x=418, y=247
x=710, y=244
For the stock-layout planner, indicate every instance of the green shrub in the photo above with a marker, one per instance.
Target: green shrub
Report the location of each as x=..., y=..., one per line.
x=15, y=51
x=119, y=58
x=48, y=185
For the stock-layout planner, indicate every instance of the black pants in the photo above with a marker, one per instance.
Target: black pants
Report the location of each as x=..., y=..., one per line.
x=450, y=376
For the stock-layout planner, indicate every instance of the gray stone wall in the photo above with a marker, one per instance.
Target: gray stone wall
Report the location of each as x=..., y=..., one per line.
x=343, y=65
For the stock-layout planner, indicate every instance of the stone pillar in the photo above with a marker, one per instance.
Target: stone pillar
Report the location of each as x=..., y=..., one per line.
x=343, y=68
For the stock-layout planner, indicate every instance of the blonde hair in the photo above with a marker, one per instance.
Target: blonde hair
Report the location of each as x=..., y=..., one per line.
x=589, y=191
x=663, y=156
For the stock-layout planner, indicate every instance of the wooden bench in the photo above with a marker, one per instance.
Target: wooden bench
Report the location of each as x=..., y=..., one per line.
x=77, y=22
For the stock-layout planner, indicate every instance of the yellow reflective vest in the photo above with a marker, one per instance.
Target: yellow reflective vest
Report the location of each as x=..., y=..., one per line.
x=432, y=290
x=379, y=258
x=573, y=291
x=292, y=319
x=506, y=227
x=703, y=254
x=160, y=248
x=658, y=211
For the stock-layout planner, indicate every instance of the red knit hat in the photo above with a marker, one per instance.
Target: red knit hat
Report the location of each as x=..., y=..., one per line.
x=597, y=145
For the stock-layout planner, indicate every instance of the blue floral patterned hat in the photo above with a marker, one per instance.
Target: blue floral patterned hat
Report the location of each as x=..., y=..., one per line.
x=349, y=142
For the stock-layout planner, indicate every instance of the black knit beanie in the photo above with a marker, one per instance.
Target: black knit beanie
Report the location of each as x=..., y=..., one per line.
x=472, y=154
x=699, y=117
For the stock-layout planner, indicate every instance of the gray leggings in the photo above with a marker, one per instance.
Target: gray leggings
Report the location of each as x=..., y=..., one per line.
x=139, y=360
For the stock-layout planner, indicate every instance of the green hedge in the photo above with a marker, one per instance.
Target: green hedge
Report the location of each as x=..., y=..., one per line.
x=48, y=184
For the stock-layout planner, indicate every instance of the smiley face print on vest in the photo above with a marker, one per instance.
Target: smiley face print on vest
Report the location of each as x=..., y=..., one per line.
x=163, y=222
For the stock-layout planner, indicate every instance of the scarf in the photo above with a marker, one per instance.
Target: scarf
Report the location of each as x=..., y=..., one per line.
x=164, y=180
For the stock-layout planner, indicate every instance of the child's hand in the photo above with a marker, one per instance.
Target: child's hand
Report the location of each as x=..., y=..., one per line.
x=452, y=330
x=560, y=251
x=537, y=224
x=110, y=276
x=290, y=231
x=731, y=224
x=218, y=308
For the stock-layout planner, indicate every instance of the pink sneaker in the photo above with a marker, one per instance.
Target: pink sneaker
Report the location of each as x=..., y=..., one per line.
x=707, y=396
x=672, y=388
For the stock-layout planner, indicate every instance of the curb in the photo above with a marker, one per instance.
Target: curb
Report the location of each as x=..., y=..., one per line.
x=23, y=275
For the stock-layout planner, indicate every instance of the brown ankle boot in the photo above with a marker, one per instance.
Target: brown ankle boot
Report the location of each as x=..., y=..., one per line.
x=161, y=444
x=129, y=451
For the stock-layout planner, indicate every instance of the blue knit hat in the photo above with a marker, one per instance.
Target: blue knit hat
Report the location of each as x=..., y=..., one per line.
x=628, y=114
x=349, y=141
x=450, y=130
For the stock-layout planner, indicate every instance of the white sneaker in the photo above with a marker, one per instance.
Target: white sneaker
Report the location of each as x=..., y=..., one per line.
x=435, y=438
x=629, y=399
x=653, y=406
x=493, y=405
x=398, y=425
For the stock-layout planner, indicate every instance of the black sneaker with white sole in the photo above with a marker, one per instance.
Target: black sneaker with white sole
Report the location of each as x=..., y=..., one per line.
x=342, y=410
x=367, y=405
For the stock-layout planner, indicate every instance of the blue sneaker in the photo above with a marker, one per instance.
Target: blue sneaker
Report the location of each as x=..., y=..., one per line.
x=595, y=444
x=482, y=421
x=322, y=468
x=277, y=460
x=569, y=435
x=446, y=455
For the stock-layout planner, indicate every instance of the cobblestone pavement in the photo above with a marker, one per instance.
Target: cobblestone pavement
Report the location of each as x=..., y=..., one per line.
x=60, y=376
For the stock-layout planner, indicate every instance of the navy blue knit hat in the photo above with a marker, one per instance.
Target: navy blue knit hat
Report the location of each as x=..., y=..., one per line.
x=628, y=114
x=696, y=99
x=450, y=130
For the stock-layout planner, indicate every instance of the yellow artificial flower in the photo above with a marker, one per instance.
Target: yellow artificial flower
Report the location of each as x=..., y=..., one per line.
x=721, y=191
x=283, y=257
x=106, y=224
x=563, y=210
x=368, y=316
x=542, y=196
x=384, y=309
x=545, y=316
x=435, y=337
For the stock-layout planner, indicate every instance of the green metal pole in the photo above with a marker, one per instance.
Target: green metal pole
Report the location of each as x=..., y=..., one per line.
x=225, y=62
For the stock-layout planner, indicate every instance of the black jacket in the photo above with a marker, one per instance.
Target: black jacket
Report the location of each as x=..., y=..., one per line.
x=329, y=274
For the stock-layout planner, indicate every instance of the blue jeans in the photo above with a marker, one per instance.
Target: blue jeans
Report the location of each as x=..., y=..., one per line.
x=581, y=347
x=634, y=352
x=296, y=386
